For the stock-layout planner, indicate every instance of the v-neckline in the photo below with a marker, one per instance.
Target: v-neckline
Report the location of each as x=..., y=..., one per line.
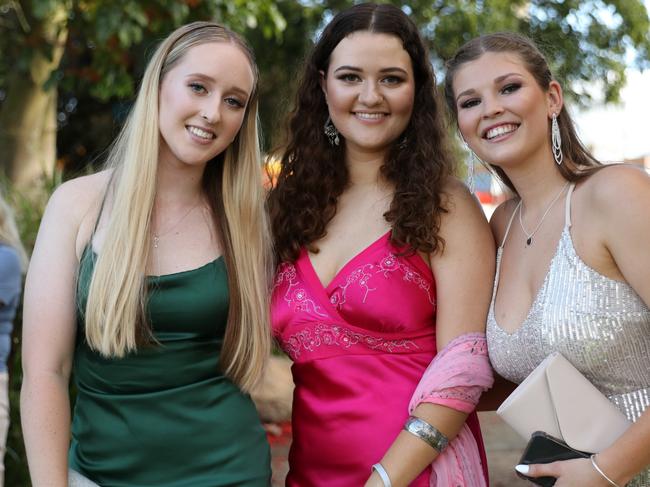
x=536, y=296
x=309, y=266
x=497, y=278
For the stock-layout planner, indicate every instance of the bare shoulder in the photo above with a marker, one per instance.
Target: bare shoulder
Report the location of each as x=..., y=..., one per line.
x=615, y=202
x=76, y=195
x=501, y=216
x=75, y=203
x=457, y=197
x=617, y=188
x=464, y=269
x=464, y=221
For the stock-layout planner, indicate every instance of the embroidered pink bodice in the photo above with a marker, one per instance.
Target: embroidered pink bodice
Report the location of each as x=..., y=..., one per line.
x=359, y=346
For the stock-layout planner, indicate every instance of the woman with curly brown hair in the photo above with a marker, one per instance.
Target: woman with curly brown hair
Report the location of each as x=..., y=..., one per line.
x=365, y=213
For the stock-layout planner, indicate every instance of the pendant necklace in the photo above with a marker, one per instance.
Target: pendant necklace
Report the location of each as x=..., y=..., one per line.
x=529, y=236
x=156, y=236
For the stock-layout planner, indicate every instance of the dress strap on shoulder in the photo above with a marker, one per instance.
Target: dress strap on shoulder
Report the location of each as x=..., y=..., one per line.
x=99, y=215
x=512, y=217
x=567, y=206
x=101, y=210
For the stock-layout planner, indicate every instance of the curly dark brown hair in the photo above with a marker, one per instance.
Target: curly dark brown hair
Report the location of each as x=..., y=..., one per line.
x=314, y=174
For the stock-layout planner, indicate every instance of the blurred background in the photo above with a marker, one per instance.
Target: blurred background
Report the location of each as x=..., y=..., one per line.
x=69, y=70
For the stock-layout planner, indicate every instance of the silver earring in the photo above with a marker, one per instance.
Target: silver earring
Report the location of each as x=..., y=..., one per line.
x=471, y=184
x=330, y=131
x=469, y=180
x=556, y=140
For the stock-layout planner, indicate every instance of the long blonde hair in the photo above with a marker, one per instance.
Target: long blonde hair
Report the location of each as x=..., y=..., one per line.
x=115, y=316
x=9, y=234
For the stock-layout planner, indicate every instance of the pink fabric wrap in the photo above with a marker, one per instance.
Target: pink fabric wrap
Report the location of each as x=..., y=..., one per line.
x=456, y=378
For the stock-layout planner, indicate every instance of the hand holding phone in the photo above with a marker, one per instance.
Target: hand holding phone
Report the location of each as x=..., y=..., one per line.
x=544, y=448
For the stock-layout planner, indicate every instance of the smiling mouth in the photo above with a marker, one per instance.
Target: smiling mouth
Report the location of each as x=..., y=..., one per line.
x=370, y=116
x=199, y=132
x=500, y=130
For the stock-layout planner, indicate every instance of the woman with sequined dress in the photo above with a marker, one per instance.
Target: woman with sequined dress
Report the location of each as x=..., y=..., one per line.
x=573, y=255
x=386, y=267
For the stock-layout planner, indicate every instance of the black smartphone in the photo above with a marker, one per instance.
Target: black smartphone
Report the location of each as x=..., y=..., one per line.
x=544, y=448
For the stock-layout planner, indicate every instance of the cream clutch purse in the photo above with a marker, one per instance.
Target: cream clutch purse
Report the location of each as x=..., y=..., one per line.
x=558, y=400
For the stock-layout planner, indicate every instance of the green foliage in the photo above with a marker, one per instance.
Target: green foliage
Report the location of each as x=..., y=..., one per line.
x=109, y=40
x=41, y=9
x=279, y=59
x=107, y=37
x=29, y=206
x=110, y=36
x=585, y=41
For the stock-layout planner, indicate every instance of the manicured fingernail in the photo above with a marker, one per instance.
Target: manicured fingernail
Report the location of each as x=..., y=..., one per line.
x=522, y=469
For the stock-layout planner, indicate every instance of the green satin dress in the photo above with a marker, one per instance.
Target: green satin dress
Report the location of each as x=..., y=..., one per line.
x=166, y=416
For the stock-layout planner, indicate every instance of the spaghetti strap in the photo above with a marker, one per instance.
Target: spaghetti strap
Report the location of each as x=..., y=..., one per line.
x=512, y=217
x=99, y=215
x=567, y=206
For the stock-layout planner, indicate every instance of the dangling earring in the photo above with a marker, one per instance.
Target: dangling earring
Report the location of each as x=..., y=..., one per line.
x=556, y=140
x=331, y=132
x=469, y=180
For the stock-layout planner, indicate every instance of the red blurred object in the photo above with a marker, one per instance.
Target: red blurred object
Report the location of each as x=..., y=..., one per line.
x=485, y=197
x=279, y=436
x=279, y=433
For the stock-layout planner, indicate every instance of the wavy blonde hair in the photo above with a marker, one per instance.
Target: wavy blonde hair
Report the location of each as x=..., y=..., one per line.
x=9, y=234
x=115, y=315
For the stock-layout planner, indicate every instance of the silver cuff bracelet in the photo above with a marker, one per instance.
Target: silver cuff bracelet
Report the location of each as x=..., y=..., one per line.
x=426, y=433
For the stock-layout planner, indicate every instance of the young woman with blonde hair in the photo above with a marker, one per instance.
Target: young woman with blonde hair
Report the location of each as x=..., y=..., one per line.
x=149, y=281
x=13, y=262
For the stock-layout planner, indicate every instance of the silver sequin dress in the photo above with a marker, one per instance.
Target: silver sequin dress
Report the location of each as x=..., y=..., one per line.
x=599, y=324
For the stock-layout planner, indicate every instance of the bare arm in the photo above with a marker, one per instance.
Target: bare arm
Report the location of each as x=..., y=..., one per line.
x=501, y=389
x=627, y=233
x=620, y=201
x=464, y=272
x=48, y=338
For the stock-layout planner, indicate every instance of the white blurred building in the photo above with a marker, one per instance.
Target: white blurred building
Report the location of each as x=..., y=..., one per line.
x=617, y=133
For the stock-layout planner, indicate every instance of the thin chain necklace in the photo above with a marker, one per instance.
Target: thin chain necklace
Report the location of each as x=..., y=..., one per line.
x=529, y=236
x=156, y=236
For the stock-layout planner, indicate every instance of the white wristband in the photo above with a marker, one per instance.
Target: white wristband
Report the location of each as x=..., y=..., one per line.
x=381, y=471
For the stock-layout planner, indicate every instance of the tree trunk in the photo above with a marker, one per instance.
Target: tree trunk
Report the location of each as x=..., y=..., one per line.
x=28, y=118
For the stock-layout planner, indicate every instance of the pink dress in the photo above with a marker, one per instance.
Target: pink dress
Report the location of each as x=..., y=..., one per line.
x=359, y=346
